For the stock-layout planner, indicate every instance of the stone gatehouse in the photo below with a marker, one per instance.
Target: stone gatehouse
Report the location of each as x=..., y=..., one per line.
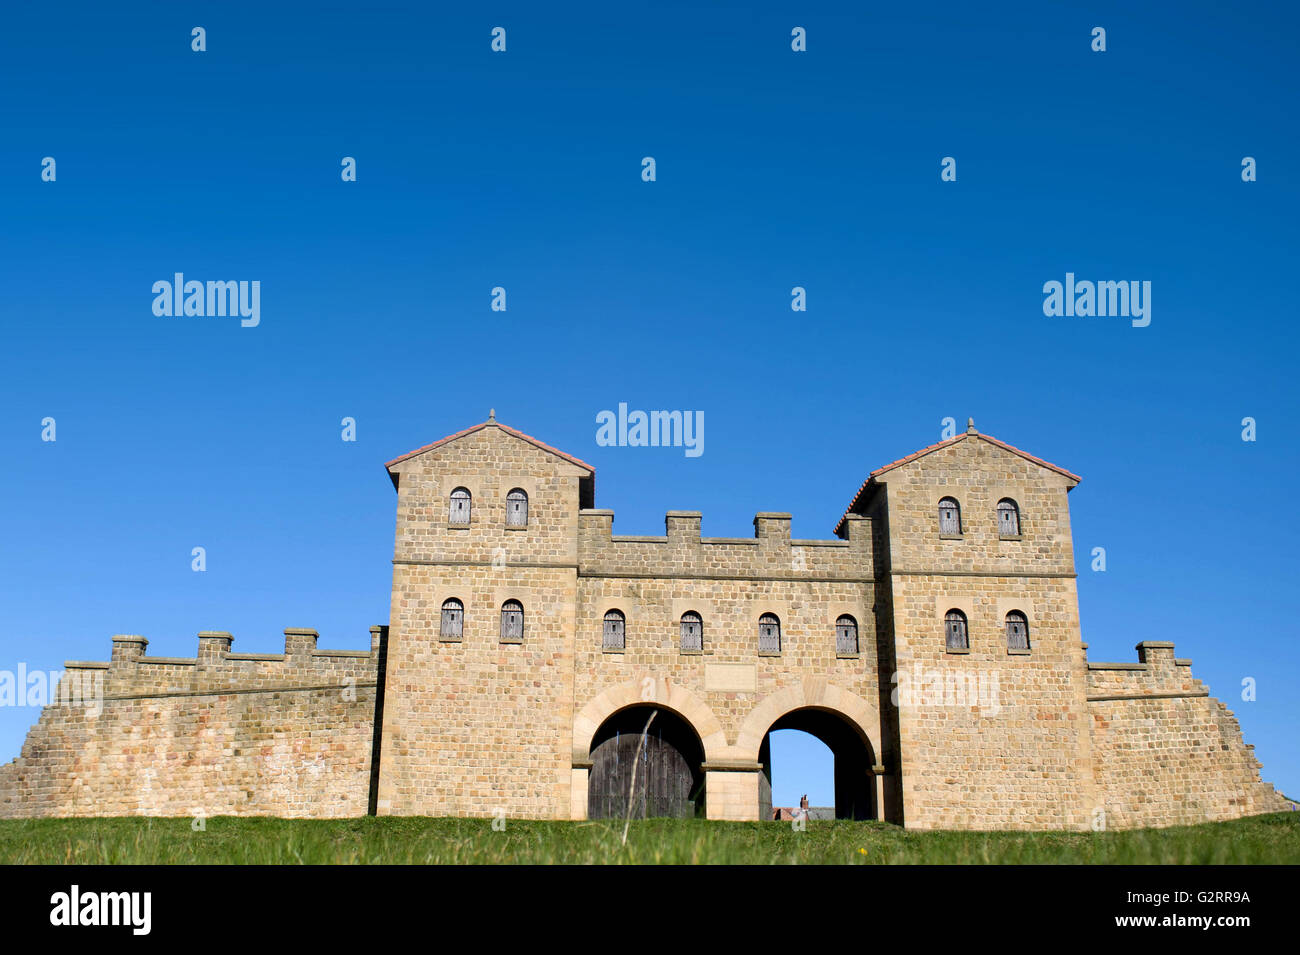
x=535, y=662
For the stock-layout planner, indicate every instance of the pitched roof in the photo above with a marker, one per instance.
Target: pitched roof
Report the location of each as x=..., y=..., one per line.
x=943, y=444
x=492, y=423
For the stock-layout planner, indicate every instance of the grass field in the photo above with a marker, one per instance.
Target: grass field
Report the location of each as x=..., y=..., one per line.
x=1271, y=839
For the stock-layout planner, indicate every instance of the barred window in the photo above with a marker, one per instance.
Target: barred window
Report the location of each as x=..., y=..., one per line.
x=955, y=629
x=949, y=516
x=1008, y=518
x=512, y=622
x=846, y=635
x=453, y=619
x=769, y=633
x=460, y=504
x=615, y=637
x=1017, y=631
x=517, y=508
x=692, y=631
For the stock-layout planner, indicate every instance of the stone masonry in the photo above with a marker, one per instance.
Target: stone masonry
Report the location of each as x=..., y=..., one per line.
x=220, y=733
x=497, y=708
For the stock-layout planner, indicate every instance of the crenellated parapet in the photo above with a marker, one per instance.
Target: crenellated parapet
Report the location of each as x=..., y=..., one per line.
x=1156, y=672
x=220, y=733
x=130, y=671
x=1164, y=751
x=770, y=554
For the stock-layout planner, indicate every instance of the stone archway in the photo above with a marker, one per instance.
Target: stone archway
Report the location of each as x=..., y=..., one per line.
x=844, y=721
x=594, y=723
x=646, y=761
x=854, y=781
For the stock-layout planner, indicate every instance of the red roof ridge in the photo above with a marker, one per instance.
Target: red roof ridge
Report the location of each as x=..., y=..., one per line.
x=942, y=444
x=492, y=422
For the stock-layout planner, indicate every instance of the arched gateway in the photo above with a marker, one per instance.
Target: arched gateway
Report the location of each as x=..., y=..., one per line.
x=681, y=763
x=854, y=778
x=646, y=761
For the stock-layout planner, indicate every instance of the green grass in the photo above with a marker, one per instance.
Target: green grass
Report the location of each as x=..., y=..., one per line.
x=1272, y=839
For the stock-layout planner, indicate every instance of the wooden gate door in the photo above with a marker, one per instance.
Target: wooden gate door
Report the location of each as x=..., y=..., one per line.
x=665, y=783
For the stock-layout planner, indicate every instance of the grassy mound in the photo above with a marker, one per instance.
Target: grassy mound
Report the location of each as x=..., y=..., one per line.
x=1270, y=839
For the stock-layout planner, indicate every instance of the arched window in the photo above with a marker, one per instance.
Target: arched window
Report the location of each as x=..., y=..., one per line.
x=517, y=508
x=954, y=625
x=769, y=633
x=1008, y=518
x=459, y=510
x=1017, y=631
x=615, y=637
x=949, y=516
x=692, y=631
x=453, y=619
x=846, y=635
x=512, y=622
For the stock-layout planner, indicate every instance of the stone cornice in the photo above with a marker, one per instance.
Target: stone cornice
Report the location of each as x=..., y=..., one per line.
x=1151, y=696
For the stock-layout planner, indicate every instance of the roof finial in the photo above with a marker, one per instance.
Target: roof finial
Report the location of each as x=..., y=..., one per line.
x=492, y=414
x=970, y=426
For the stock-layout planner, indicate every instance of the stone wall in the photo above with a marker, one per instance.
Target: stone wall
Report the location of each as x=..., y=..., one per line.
x=218, y=734
x=1165, y=752
x=990, y=739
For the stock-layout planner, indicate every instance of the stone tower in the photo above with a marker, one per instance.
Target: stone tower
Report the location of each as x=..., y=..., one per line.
x=476, y=715
x=993, y=722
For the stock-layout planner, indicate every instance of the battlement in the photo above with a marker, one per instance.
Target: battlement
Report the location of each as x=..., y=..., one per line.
x=769, y=554
x=1157, y=672
x=214, y=668
x=287, y=734
x=1164, y=751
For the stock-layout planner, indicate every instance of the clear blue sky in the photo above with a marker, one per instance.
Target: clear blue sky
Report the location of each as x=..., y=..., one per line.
x=522, y=170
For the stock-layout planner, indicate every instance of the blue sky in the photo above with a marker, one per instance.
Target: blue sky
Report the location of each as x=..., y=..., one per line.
x=522, y=170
